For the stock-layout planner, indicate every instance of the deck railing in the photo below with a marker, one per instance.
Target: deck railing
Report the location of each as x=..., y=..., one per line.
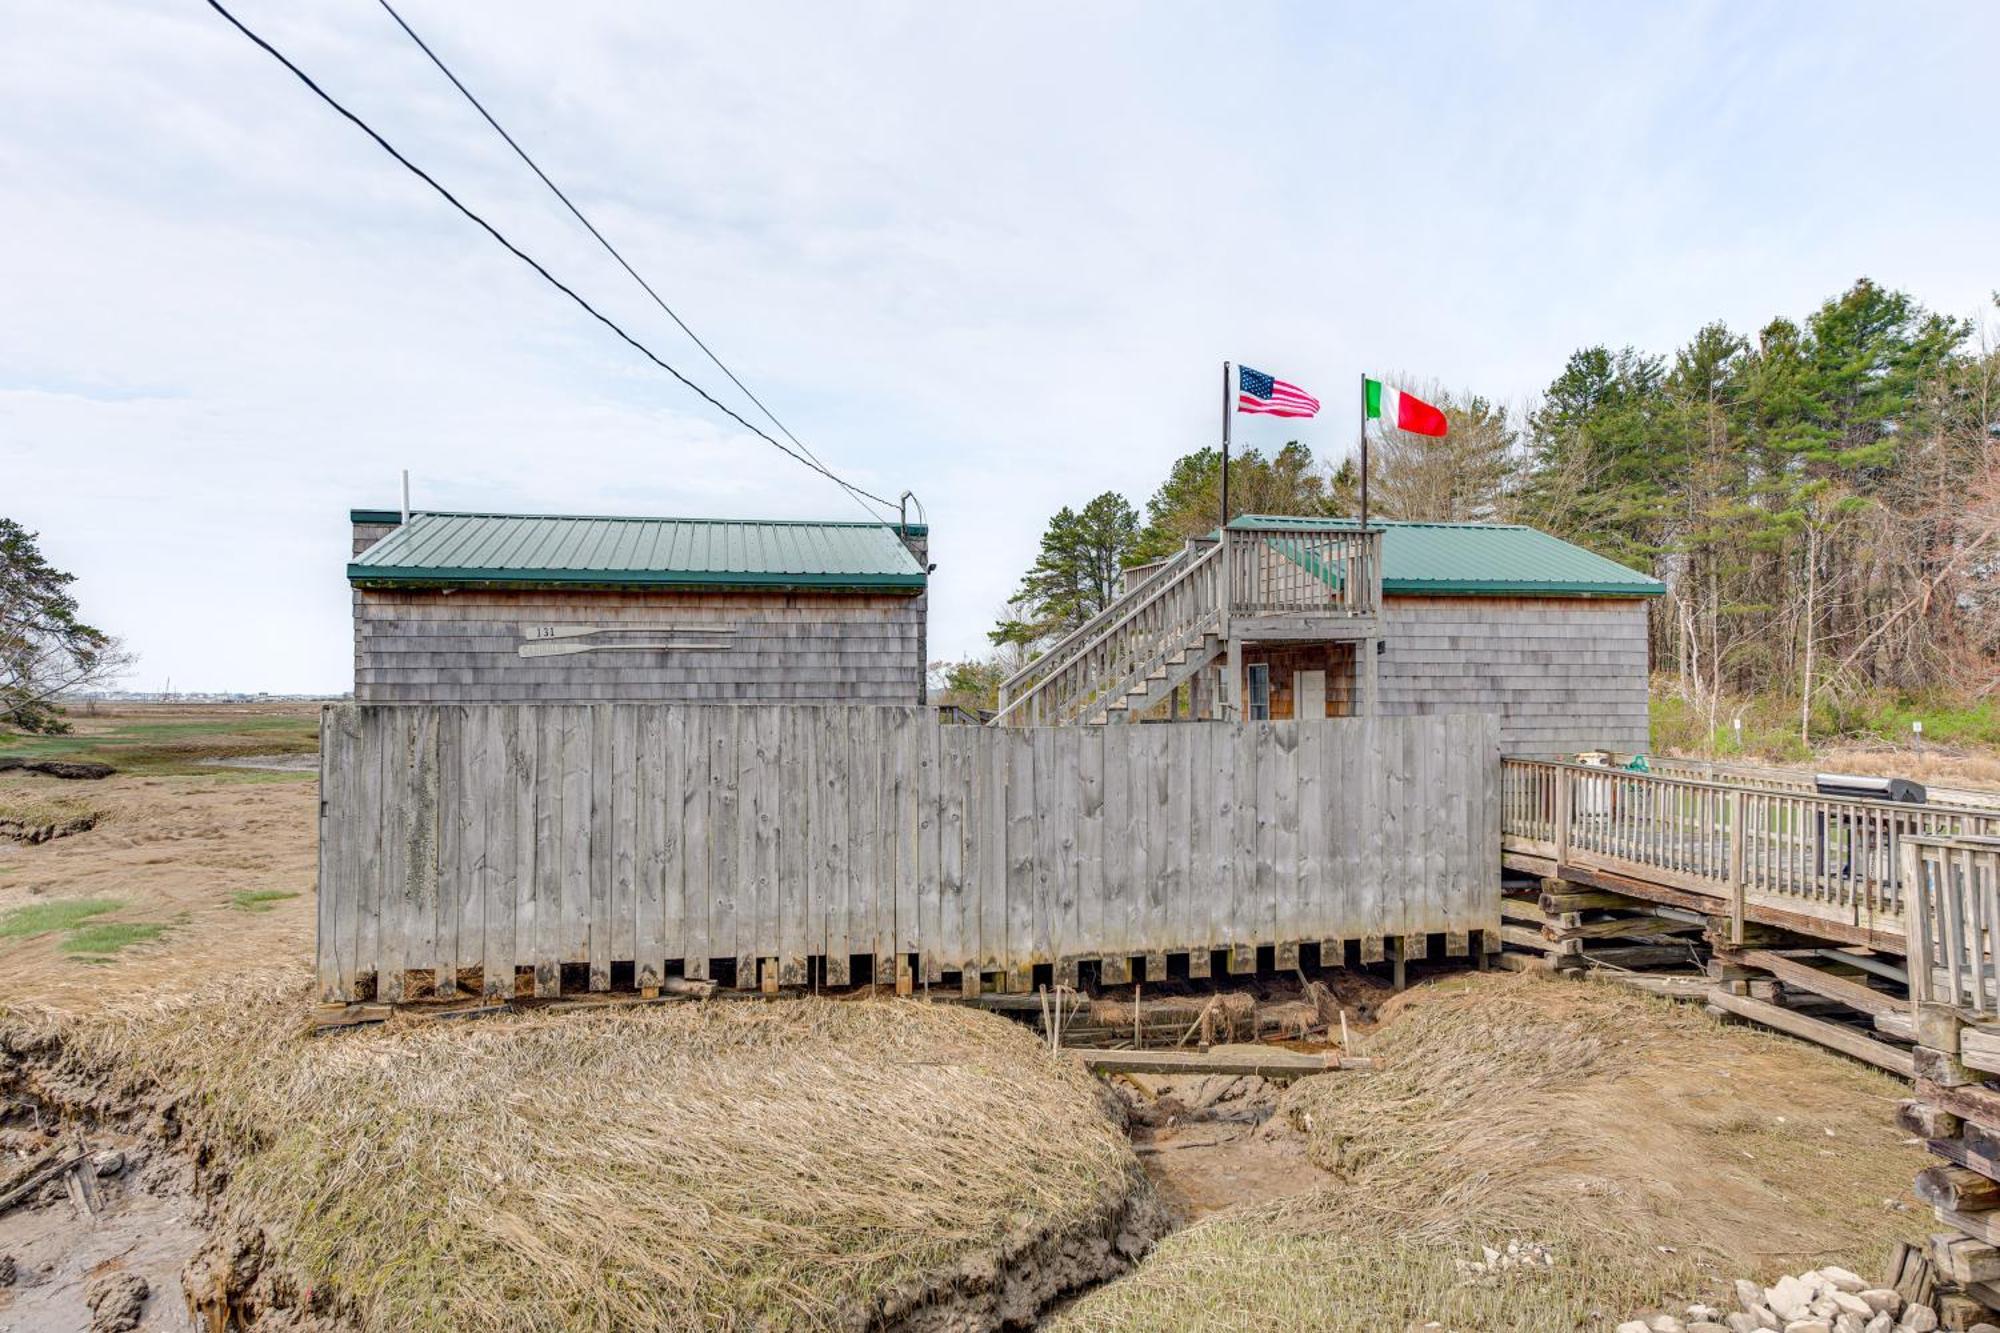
x=1288, y=571
x=1826, y=858
x=1953, y=921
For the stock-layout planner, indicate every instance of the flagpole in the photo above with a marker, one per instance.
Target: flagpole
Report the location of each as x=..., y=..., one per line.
x=1364, y=451
x=1226, y=414
x=1228, y=706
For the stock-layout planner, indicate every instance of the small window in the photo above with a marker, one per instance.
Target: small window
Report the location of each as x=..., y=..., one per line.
x=1260, y=692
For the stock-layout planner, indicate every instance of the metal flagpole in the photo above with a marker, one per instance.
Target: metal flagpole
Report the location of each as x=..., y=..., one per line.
x=1228, y=703
x=1226, y=414
x=1364, y=451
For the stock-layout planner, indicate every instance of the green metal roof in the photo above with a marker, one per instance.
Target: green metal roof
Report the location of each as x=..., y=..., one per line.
x=544, y=549
x=1481, y=558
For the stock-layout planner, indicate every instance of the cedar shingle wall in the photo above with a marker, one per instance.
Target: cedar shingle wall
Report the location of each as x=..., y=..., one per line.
x=1563, y=673
x=431, y=646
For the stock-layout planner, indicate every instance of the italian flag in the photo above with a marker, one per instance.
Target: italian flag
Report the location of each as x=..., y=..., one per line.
x=1392, y=407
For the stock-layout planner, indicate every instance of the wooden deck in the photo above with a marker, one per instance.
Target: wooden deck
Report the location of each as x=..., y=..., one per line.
x=1822, y=866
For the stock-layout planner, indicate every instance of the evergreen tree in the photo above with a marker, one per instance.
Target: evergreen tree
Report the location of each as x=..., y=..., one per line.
x=1080, y=569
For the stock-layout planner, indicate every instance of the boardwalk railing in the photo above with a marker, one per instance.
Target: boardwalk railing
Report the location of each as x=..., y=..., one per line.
x=1954, y=922
x=499, y=847
x=1827, y=860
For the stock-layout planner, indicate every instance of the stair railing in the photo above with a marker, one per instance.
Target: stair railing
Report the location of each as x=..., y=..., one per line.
x=1182, y=597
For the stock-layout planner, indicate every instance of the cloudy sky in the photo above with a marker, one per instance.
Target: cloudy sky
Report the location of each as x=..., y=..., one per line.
x=993, y=254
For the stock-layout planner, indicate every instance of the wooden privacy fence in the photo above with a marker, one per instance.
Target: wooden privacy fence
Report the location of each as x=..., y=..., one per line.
x=1954, y=922
x=1806, y=859
x=510, y=841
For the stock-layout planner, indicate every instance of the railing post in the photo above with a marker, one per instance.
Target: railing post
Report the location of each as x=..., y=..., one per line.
x=1231, y=702
x=1738, y=889
x=1565, y=796
x=1916, y=933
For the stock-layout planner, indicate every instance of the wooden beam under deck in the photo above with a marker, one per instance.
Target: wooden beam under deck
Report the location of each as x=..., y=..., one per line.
x=1303, y=628
x=1711, y=904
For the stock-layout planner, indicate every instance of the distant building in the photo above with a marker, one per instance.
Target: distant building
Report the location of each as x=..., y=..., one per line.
x=517, y=608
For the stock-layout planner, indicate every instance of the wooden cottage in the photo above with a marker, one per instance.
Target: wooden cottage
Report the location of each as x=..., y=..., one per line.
x=1323, y=620
x=507, y=608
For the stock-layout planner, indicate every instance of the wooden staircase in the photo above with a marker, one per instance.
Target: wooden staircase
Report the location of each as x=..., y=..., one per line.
x=1130, y=658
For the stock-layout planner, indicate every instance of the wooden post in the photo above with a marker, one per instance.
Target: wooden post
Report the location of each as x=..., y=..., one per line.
x=1232, y=687
x=1367, y=668
x=1737, y=888
x=1564, y=796
x=1916, y=924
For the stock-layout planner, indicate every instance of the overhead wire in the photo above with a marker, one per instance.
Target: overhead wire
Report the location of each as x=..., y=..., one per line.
x=522, y=255
x=591, y=227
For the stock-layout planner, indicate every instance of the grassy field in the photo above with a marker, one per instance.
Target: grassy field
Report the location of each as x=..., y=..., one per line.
x=178, y=739
x=1952, y=729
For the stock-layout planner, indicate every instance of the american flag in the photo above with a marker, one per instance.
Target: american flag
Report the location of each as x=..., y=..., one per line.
x=1258, y=392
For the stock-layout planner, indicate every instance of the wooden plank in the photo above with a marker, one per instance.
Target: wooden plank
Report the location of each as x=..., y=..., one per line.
x=335, y=761
x=1181, y=931
x=992, y=879
x=798, y=753
x=757, y=840
x=599, y=853
x=1314, y=916
x=1020, y=865
x=924, y=795
x=457, y=854
x=546, y=948
x=1851, y=993
x=1832, y=1035
x=725, y=852
x=1047, y=850
x=1090, y=841
x=511, y=933
x=1243, y=933
x=954, y=777
x=1287, y=925
x=492, y=951
x=1116, y=912
x=618, y=936
x=656, y=796
x=697, y=841
x=1261, y=1062
x=833, y=826
x=1066, y=816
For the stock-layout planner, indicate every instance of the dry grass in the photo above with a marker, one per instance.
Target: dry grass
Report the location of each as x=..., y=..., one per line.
x=33, y=805
x=1655, y=1150
x=805, y=1165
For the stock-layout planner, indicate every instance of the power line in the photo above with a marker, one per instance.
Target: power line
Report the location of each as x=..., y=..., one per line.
x=530, y=261
x=591, y=227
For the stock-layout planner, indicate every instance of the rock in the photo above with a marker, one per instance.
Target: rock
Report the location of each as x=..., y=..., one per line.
x=1749, y=1295
x=1702, y=1314
x=1808, y=1326
x=8, y=1272
x=1848, y=1323
x=1768, y=1318
x=1665, y=1323
x=1881, y=1323
x=1788, y=1299
x=1822, y=1307
x=1742, y=1322
x=1854, y=1305
x=1983, y=1328
x=1634, y=1326
x=108, y=1163
x=1842, y=1280
x=116, y=1299
x=1707, y=1326
x=1919, y=1319
x=1884, y=1299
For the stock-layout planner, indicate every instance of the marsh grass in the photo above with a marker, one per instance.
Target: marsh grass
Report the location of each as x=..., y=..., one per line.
x=728, y=1165
x=46, y=918
x=1657, y=1152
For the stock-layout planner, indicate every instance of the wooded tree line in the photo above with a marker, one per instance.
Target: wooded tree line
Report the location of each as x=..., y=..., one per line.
x=1822, y=500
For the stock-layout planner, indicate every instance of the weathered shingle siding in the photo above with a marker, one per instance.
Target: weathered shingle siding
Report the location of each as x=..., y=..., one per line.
x=1564, y=674
x=433, y=646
